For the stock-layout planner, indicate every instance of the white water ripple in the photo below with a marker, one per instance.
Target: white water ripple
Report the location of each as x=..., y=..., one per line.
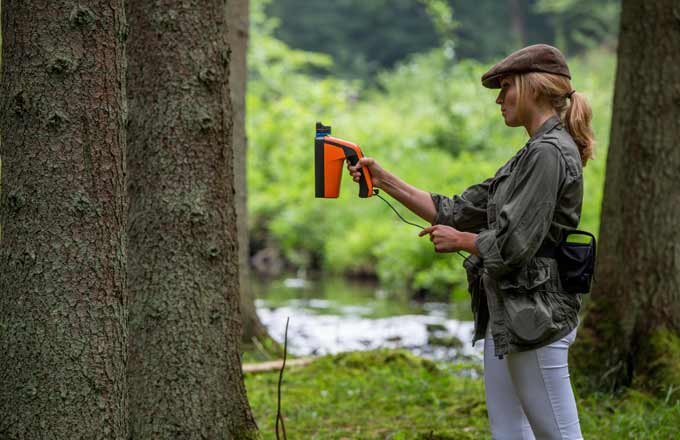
x=319, y=334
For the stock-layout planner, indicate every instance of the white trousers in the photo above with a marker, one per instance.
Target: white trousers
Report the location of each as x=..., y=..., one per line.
x=529, y=395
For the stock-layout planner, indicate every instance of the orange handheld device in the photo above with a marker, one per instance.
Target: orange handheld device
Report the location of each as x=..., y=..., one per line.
x=329, y=156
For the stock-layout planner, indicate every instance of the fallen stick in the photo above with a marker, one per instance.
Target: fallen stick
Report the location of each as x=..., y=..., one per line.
x=263, y=367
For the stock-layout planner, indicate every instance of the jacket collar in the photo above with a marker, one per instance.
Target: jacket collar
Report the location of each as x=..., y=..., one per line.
x=548, y=125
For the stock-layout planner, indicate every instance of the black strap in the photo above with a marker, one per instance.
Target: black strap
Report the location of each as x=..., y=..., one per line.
x=549, y=250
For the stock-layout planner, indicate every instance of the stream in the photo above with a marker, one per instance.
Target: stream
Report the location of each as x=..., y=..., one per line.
x=334, y=315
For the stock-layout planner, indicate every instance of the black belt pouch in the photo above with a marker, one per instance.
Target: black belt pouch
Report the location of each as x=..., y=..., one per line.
x=576, y=261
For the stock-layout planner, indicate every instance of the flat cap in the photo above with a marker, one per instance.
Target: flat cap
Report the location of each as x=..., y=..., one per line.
x=535, y=58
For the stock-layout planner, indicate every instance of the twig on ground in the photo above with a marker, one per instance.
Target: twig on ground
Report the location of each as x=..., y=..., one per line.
x=278, y=408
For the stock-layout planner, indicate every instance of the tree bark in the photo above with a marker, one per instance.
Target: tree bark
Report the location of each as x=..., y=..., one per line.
x=238, y=23
x=631, y=333
x=63, y=331
x=184, y=370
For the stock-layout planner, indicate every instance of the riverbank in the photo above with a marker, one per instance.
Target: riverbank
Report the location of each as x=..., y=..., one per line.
x=392, y=394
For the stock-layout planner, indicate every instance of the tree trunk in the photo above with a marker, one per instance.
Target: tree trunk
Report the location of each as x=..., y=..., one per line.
x=184, y=370
x=631, y=333
x=238, y=22
x=63, y=331
x=517, y=21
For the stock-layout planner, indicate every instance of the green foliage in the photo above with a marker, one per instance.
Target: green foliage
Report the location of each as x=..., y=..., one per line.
x=366, y=37
x=484, y=31
x=442, y=19
x=362, y=36
x=582, y=24
x=429, y=121
x=413, y=398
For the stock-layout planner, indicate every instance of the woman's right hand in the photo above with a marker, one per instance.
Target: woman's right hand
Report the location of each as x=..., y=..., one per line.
x=377, y=172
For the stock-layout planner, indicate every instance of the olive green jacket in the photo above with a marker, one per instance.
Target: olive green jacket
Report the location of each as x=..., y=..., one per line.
x=530, y=200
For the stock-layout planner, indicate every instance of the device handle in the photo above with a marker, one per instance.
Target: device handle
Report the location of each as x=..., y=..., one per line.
x=365, y=188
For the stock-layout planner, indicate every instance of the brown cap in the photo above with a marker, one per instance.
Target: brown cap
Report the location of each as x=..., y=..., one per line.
x=536, y=58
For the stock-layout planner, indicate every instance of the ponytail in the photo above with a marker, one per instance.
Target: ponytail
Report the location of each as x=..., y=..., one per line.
x=577, y=121
x=573, y=107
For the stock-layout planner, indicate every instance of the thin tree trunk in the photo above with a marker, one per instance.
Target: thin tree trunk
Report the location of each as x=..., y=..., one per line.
x=517, y=21
x=238, y=21
x=184, y=370
x=631, y=333
x=63, y=331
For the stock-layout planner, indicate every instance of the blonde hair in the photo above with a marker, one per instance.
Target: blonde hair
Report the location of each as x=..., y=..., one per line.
x=574, y=111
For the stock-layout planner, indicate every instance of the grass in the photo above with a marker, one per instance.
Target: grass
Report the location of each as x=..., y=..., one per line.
x=391, y=394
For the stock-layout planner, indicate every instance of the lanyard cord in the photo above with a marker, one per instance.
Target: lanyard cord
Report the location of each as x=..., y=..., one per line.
x=377, y=193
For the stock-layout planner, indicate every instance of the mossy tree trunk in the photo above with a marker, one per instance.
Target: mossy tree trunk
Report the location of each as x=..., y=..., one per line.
x=238, y=22
x=63, y=318
x=631, y=331
x=184, y=370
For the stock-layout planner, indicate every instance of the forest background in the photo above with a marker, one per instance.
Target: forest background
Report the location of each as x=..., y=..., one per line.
x=402, y=80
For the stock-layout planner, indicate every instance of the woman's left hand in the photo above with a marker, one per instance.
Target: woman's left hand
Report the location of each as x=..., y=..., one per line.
x=449, y=239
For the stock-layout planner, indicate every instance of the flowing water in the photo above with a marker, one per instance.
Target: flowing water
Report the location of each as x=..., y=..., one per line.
x=335, y=315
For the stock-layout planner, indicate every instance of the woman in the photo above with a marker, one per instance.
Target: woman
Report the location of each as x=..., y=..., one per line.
x=508, y=224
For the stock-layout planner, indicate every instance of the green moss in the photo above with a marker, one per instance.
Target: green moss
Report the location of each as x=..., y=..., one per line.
x=593, y=359
x=660, y=372
x=366, y=360
x=392, y=394
x=600, y=360
x=445, y=341
x=370, y=395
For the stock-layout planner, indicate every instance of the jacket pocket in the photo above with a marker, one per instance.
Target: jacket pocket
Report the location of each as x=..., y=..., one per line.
x=531, y=313
x=529, y=317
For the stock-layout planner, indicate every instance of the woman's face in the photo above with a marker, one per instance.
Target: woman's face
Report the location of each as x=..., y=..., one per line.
x=508, y=99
